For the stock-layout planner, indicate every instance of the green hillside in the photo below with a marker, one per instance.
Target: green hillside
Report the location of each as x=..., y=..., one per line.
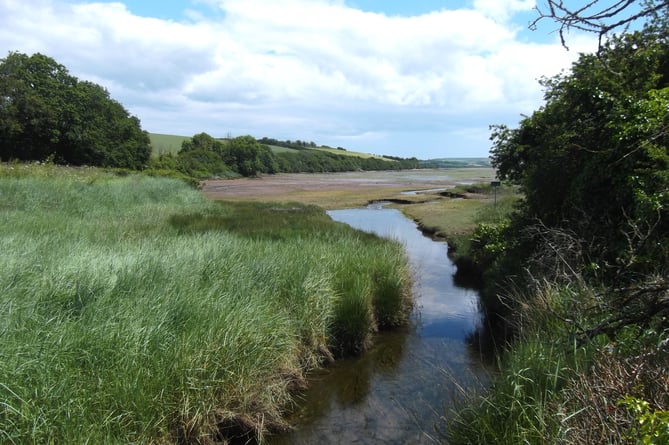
x=169, y=143
x=166, y=143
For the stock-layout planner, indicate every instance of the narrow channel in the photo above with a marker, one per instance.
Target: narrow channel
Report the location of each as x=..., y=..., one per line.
x=400, y=391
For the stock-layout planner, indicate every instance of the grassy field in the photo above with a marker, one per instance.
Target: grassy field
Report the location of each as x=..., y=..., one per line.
x=137, y=311
x=278, y=149
x=350, y=153
x=453, y=218
x=166, y=143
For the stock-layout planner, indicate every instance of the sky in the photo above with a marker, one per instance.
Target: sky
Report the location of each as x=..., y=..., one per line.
x=421, y=78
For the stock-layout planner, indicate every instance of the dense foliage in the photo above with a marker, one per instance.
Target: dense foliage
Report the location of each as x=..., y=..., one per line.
x=593, y=160
x=295, y=145
x=579, y=271
x=46, y=113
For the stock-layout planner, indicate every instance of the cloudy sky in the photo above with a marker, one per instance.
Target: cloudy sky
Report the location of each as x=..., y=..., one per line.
x=420, y=78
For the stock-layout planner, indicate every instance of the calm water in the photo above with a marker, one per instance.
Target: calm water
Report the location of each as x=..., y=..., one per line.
x=401, y=390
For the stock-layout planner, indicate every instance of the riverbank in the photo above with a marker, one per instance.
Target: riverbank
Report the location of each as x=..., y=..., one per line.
x=139, y=311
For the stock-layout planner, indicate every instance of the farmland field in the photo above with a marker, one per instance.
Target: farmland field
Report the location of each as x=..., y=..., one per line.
x=166, y=143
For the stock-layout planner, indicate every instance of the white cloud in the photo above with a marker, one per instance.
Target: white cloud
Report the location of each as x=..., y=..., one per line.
x=283, y=69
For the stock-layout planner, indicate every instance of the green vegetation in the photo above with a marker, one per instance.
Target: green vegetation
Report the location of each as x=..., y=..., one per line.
x=45, y=113
x=162, y=144
x=577, y=289
x=203, y=156
x=287, y=146
x=136, y=311
x=320, y=160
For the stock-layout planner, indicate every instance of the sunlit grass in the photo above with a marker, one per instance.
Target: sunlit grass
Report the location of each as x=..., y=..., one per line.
x=329, y=199
x=136, y=311
x=446, y=217
x=166, y=143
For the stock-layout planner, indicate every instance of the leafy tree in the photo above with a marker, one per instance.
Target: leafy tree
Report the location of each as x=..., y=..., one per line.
x=248, y=157
x=200, y=157
x=202, y=141
x=46, y=112
x=594, y=158
x=201, y=164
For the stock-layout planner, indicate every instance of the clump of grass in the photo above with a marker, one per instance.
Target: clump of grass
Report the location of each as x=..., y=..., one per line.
x=391, y=299
x=521, y=406
x=354, y=316
x=137, y=311
x=561, y=382
x=372, y=293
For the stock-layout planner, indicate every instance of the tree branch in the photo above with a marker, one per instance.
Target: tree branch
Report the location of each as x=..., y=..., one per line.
x=594, y=17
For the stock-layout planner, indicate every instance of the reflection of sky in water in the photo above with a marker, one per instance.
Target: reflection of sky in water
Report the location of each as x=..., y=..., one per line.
x=397, y=392
x=441, y=306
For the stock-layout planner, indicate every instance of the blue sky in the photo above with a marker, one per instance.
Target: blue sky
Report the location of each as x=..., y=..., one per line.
x=420, y=78
x=174, y=9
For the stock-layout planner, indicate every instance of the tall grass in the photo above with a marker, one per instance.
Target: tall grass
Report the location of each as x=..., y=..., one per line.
x=134, y=310
x=524, y=403
x=559, y=383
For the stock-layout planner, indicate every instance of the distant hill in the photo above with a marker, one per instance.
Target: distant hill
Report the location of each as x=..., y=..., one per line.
x=296, y=146
x=166, y=143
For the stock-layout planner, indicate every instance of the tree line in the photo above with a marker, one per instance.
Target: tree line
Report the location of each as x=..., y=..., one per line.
x=48, y=114
x=204, y=156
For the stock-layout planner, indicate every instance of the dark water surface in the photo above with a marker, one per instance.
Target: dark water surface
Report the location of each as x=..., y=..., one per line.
x=400, y=391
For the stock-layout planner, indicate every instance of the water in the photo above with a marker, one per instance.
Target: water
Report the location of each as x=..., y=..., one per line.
x=402, y=389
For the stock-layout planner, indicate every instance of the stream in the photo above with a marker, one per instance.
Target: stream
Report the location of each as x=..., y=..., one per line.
x=403, y=389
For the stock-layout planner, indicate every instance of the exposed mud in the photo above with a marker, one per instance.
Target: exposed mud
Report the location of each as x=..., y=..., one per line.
x=288, y=184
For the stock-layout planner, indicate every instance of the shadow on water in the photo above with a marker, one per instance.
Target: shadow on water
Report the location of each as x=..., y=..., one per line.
x=401, y=390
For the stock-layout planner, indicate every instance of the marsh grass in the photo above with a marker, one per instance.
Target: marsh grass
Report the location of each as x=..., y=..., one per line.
x=447, y=218
x=456, y=218
x=329, y=198
x=136, y=311
x=523, y=404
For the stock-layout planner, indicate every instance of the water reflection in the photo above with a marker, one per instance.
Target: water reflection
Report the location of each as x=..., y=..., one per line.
x=400, y=390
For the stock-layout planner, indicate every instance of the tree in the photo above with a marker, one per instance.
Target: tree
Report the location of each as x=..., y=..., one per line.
x=46, y=112
x=202, y=141
x=248, y=157
x=201, y=157
x=594, y=159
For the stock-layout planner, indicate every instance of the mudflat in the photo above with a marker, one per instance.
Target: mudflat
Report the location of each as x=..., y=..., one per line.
x=336, y=189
